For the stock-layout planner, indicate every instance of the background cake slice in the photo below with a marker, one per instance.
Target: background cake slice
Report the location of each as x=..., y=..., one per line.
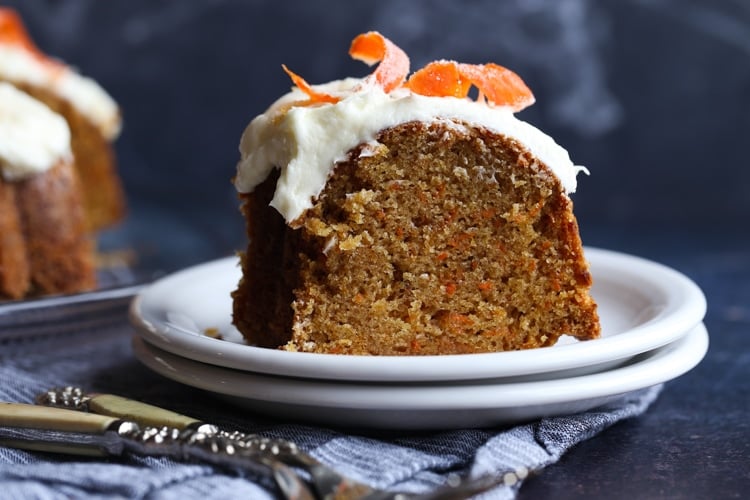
x=45, y=247
x=394, y=217
x=92, y=115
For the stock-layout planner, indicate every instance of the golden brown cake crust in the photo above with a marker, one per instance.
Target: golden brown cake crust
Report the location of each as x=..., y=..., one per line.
x=442, y=239
x=49, y=241
x=60, y=249
x=14, y=263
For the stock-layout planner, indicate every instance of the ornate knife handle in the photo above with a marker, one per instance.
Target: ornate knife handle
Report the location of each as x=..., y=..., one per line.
x=327, y=482
x=63, y=430
x=75, y=398
x=196, y=440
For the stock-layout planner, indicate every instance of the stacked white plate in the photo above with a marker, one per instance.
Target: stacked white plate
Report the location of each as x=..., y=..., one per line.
x=652, y=332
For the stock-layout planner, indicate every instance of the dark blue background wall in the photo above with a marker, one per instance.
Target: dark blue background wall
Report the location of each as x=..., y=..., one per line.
x=652, y=95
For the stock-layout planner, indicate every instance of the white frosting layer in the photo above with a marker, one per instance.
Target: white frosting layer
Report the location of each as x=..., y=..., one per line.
x=20, y=66
x=306, y=141
x=32, y=137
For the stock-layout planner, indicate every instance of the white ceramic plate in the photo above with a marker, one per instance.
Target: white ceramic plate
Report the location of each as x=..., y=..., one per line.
x=428, y=405
x=642, y=305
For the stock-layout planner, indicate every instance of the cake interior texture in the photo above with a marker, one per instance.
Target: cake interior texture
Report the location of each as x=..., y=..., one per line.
x=438, y=238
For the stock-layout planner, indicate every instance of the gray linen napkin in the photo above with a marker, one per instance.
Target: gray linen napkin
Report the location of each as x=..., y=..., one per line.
x=88, y=344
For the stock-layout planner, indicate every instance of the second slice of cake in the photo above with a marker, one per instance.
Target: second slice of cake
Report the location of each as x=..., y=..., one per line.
x=92, y=116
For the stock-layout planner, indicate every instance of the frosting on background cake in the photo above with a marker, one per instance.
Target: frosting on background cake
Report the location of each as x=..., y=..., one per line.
x=93, y=116
x=32, y=138
x=21, y=62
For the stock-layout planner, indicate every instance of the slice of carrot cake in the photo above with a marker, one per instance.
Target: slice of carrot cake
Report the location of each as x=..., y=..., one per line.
x=395, y=216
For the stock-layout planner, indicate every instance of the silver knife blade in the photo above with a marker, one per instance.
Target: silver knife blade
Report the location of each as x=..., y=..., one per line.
x=59, y=430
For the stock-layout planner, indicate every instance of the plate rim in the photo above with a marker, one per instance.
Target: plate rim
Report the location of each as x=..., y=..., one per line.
x=651, y=368
x=640, y=339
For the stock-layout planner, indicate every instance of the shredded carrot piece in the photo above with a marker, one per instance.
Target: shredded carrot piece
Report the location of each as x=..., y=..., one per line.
x=457, y=319
x=305, y=87
x=487, y=213
x=372, y=47
x=499, y=332
x=485, y=286
x=497, y=84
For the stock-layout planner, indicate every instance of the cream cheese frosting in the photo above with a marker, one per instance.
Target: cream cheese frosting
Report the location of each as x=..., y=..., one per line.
x=305, y=142
x=19, y=65
x=33, y=138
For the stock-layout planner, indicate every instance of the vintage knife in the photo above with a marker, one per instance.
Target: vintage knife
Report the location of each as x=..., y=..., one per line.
x=60, y=430
x=327, y=482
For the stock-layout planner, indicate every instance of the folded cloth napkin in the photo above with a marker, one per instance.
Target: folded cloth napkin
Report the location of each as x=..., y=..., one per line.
x=88, y=345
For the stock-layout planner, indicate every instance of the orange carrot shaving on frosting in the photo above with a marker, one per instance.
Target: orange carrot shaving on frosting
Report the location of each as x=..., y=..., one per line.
x=305, y=87
x=497, y=84
x=13, y=32
x=439, y=78
x=372, y=47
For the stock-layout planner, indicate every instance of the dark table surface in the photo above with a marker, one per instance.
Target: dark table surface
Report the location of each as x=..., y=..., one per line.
x=694, y=442
x=654, y=97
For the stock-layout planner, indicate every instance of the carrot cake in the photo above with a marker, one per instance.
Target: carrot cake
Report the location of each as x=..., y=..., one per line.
x=44, y=245
x=92, y=115
x=395, y=215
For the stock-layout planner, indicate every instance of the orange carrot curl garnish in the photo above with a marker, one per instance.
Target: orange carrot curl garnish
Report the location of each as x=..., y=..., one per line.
x=439, y=78
x=305, y=87
x=370, y=48
x=498, y=85
x=13, y=32
x=373, y=47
